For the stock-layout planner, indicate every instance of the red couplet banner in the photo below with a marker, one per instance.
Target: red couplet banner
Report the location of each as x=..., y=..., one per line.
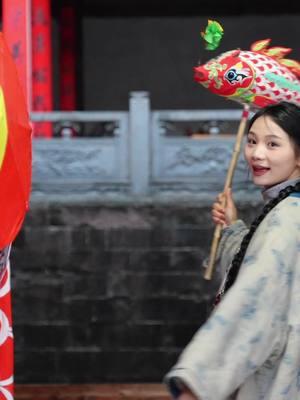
x=67, y=58
x=17, y=33
x=42, y=96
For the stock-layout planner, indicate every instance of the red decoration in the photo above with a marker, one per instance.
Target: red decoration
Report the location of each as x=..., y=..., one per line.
x=41, y=64
x=6, y=338
x=67, y=57
x=17, y=31
x=15, y=182
x=15, y=149
x=258, y=77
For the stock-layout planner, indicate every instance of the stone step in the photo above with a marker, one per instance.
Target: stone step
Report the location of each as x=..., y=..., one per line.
x=149, y=391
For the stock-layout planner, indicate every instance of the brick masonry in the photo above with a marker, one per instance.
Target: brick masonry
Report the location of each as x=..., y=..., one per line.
x=108, y=293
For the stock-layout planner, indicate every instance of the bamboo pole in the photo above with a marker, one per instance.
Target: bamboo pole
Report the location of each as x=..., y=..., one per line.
x=235, y=155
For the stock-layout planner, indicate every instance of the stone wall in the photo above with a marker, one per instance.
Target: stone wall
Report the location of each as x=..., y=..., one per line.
x=108, y=293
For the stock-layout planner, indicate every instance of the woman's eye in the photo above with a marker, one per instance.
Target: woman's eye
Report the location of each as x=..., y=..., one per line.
x=250, y=141
x=272, y=144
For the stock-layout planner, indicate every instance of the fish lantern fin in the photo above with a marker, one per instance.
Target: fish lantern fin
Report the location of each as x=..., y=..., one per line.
x=260, y=45
x=235, y=53
x=293, y=65
x=239, y=65
x=277, y=52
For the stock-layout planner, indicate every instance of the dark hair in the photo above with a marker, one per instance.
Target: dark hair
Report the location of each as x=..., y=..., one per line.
x=287, y=116
x=284, y=114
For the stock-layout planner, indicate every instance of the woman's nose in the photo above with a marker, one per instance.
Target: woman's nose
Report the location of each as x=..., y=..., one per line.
x=258, y=153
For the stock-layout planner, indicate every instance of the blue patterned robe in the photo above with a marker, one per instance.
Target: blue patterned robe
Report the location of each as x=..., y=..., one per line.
x=249, y=348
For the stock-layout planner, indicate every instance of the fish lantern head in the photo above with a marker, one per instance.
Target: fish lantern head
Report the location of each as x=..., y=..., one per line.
x=227, y=75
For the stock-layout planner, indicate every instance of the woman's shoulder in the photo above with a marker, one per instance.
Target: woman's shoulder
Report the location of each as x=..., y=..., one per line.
x=290, y=206
x=295, y=194
x=285, y=215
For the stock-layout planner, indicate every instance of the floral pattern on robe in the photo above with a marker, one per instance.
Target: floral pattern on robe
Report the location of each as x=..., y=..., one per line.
x=249, y=348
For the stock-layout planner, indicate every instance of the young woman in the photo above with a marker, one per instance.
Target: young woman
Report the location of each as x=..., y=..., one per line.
x=249, y=348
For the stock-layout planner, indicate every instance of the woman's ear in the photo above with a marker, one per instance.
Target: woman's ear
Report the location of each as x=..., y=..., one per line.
x=298, y=161
x=297, y=152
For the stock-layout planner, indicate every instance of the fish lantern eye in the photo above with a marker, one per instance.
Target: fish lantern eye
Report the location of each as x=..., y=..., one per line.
x=231, y=75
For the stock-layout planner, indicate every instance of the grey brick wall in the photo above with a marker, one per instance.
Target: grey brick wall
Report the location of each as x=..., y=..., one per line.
x=108, y=293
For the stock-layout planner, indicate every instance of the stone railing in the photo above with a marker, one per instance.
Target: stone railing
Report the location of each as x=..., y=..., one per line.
x=143, y=158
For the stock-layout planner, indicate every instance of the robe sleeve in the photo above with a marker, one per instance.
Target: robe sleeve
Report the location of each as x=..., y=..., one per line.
x=231, y=239
x=230, y=242
x=251, y=320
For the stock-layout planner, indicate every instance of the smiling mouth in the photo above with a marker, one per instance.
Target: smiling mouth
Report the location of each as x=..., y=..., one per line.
x=258, y=171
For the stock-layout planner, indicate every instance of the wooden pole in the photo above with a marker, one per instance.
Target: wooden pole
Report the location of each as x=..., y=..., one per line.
x=235, y=155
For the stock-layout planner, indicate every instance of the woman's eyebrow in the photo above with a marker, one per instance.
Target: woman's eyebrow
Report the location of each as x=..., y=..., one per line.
x=270, y=136
x=273, y=136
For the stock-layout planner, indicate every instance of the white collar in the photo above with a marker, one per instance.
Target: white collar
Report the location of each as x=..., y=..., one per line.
x=273, y=191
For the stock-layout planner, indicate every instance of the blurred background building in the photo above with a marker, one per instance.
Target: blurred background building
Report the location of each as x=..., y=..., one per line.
x=128, y=155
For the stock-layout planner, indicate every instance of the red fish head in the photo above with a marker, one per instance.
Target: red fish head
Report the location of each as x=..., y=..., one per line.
x=225, y=75
x=201, y=74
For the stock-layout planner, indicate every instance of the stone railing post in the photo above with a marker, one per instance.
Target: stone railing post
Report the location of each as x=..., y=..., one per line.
x=139, y=142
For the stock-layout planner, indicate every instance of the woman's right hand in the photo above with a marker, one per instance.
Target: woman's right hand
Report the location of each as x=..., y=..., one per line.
x=224, y=211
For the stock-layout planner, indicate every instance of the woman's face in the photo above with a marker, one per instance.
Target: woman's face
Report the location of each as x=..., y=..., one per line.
x=270, y=153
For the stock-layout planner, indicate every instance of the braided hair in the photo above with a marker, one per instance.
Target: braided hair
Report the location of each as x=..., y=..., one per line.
x=238, y=258
x=287, y=116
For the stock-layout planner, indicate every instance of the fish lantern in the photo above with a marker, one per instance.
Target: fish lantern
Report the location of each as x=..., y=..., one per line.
x=258, y=77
